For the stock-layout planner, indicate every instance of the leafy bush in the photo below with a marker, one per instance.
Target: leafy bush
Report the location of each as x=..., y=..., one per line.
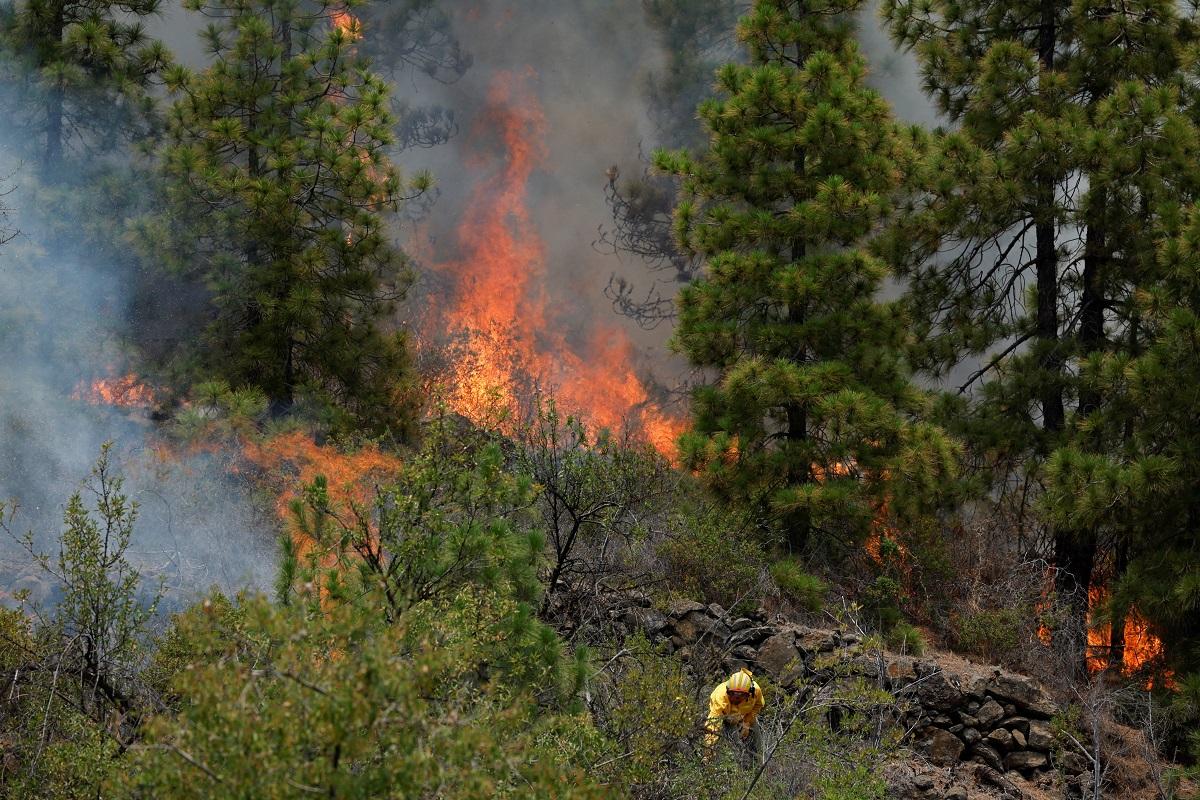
x=992, y=634
x=805, y=590
x=707, y=557
x=906, y=638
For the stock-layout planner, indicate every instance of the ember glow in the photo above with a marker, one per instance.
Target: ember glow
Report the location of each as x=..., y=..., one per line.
x=512, y=336
x=1142, y=648
x=125, y=391
x=294, y=460
x=347, y=23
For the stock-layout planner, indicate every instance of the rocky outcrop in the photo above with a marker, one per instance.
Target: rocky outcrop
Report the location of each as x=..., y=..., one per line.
x=958, y=714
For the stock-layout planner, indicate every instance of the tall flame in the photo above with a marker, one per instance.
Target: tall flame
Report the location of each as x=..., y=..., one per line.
x=1142, y=648
x=512, y=336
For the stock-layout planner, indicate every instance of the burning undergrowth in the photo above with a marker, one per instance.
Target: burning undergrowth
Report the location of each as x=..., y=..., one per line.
x=505, y=333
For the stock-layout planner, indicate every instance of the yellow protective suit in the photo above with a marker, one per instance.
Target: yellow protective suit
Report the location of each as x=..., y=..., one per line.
x=721, y=710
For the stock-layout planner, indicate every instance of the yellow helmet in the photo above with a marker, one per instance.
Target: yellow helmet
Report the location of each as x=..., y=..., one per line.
x=740, y=681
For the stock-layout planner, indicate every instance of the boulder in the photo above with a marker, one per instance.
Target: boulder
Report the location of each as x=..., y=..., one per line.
x=681, y=608
x=1023, y=760
x=814, y=640
x=971, y=735
x=955, y=793
x=651, y=621
x=716, y=611
x=1019, y=742
x=695, y=625
x=937, y=691
x=780, y=658
x=1023, y=692
x=943, y=748
x=1001, y=739
x=750, y=636
x=900, y=670
x=1041, y=736
x=740, y=624
x=1016, y=724
x=989, y=714
x=986, y=754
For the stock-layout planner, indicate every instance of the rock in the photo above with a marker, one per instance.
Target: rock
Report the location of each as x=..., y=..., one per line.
x=943, y=748
x=955, y=793
x=936, y=691
x=744, y=652
x=681, y=608
x=676, y=642
x=1016, y=724
x=956, y=728
x=850, y=639
x=695, y=625
x=752, y=636
x=1001, y=739
x=1074, y=763
x=986, y=754
x=740, y=624
x=651, y=621
x=942, y=721
x=900, y=669
x=989, y=714
x=1023, y=760
x=968, y=720
x=973, y=706
x=1041, y=736
x=922, y=783
x=781, y=660
x=716, y=611
x=1023, y=692
x=1018, y=739
x=814, y=640
x=971, y=735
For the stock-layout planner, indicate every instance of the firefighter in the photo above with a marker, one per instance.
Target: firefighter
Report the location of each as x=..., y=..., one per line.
x=734, y=706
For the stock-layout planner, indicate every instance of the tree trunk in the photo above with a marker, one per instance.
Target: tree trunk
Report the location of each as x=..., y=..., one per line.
x=798, y=525
x=52, y=155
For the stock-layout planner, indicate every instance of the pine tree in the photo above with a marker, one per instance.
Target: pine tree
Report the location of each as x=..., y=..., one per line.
x=1051, y=186
x=809, y=417
x=278, y=186
x=1142, y=486
x=79, y=71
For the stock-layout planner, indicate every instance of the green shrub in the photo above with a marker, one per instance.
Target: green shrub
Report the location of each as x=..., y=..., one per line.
x=992, y=634
x=906, y=638
x=706, y=558
x=805, y=590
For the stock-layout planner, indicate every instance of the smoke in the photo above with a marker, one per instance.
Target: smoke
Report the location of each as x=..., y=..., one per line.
x=67, y=318
x=582, y=65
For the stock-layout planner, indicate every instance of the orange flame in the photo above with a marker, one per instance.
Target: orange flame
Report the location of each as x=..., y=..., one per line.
x=1142, y=649
x=126, y=391
x=347, y=23
x=295, y=460
x=513, y=338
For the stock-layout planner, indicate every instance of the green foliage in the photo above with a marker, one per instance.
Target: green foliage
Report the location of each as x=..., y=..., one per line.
x=337, y=702
x=805, y=590
x=75, y=689
x=78, y=76
x=652, y=714
x=282, y=142
x=992, y=634
x=905, y=638
x=810, y=421
x=709, y=556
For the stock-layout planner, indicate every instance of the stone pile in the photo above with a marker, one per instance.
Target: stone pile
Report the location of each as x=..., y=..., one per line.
x=958, y=713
